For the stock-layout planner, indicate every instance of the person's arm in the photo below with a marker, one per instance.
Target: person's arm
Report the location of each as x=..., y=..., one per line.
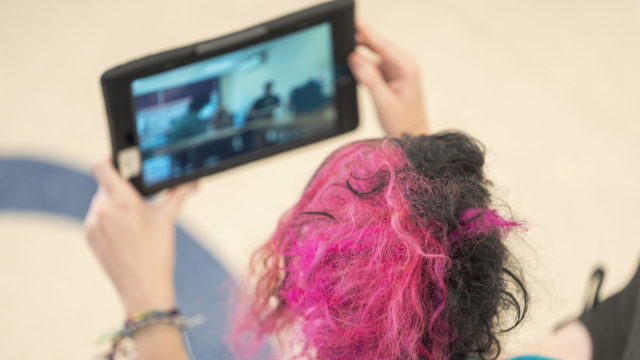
x=134, y=240
x=393, y=79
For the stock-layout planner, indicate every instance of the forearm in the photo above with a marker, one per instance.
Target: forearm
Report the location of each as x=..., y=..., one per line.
x=160, y=342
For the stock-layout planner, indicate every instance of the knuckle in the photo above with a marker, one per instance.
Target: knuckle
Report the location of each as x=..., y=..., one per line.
x=88, y=221
x=125, y=203
x=88, y=227
x=91, y=236
x=121, y=204
x=91, y=230
x=103, y=214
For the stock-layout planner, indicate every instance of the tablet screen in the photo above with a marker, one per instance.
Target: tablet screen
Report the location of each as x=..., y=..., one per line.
x=199, y=115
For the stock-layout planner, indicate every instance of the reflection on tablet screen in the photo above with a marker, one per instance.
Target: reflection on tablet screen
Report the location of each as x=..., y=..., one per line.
x=200, y=114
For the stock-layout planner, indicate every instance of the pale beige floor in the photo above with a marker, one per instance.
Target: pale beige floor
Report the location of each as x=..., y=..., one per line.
x=551, y=87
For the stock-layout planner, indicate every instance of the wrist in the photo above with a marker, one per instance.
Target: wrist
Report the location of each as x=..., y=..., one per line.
x=159, y=300
x=422, y=129
x=152, y=334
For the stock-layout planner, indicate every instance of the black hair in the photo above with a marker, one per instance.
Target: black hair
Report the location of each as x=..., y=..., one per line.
x=484, y=282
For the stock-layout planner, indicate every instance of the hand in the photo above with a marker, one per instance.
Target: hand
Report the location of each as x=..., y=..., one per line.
x=393, y=80
x=134, y=240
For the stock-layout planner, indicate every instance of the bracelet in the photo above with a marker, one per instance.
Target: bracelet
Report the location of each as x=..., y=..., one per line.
x=137, y=322
x=122, y=344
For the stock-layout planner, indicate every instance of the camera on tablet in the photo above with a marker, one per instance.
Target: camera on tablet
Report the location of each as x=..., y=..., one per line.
x=181, y=114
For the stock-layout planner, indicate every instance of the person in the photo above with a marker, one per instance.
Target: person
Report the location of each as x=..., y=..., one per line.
x=222, y=118
x=185, y=127
x=190, y=124
x=264, y=106
x=394, y=250
x=308, y=97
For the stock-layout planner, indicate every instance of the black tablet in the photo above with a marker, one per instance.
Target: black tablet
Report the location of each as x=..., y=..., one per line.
x=184, y=113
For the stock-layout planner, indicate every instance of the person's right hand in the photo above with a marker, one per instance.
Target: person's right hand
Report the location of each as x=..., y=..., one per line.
x=134, y=239
x=394, y=83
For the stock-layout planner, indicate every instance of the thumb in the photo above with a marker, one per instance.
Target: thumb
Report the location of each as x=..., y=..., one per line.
x=367, y=72
x=175, y=197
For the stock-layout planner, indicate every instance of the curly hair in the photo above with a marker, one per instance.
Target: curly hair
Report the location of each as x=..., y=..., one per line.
x=392, y=252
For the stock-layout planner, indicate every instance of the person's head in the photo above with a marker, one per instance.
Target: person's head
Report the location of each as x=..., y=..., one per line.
x=268, y=87
x=393, y=252
x=198, y=101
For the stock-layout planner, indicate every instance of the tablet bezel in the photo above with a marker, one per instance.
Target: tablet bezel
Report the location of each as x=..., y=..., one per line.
x=116, y=83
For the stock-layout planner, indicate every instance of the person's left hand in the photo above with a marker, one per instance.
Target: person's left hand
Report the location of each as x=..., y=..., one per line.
x=393, y=79
x=134, y=240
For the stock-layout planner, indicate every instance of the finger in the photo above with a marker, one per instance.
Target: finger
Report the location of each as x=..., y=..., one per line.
x=91, y=218
x=369, y=74
x=107, y=176
x=386, y=49
x=92, y=228
x=90, y=222
x=175, y=197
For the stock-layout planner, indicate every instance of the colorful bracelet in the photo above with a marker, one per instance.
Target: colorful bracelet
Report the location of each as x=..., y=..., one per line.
x=123, y=349
x=137, y=322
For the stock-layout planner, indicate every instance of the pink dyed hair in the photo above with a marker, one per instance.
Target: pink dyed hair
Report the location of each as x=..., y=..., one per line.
x=352, y=271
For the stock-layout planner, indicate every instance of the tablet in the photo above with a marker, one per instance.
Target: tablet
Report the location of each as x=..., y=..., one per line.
x=193, y=111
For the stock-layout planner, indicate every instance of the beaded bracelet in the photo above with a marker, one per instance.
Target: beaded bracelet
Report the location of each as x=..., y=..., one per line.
x=122, y=344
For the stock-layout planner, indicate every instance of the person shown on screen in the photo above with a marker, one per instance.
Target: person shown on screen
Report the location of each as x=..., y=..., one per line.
x=190, y=124
x=222, y=118
x=264, y=106
x=308, y=97
x=395, y=250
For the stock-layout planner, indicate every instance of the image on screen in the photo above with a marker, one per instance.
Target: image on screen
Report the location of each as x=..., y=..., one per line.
x=267, y=94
